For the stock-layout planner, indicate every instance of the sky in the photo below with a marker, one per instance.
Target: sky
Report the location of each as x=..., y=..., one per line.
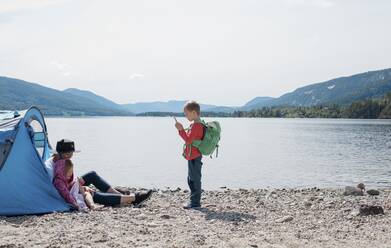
x=222, y=52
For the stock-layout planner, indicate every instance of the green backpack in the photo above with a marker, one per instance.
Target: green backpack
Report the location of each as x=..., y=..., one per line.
x=210, y=143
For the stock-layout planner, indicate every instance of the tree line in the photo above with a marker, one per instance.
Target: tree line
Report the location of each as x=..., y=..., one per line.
x=366, y=109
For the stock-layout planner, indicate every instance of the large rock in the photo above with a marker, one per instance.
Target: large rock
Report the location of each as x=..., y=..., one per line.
x=373, y=192
x=349, y=190
x=371, y=210
x=361, y=186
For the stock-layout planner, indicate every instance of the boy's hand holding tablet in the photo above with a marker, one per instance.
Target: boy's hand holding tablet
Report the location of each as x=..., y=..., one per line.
x=178, y=125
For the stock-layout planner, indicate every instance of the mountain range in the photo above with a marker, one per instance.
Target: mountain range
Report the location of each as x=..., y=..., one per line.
x=19, y=94
x=341, y=91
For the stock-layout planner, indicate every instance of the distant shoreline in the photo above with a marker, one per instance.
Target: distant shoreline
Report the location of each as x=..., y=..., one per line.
x=209, y=116
x=367, y=109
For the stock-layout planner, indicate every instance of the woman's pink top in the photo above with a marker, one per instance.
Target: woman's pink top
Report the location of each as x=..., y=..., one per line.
x=63, y=185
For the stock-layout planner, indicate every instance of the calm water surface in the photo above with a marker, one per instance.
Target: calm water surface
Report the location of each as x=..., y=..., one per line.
x=254, y=153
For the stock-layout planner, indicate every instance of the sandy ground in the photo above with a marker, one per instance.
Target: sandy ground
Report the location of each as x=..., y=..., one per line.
x=229, y=218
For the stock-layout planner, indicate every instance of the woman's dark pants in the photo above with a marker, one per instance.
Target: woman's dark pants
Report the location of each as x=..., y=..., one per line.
x=102, y=197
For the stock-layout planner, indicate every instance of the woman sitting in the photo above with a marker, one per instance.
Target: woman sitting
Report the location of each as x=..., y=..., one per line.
x=69, y=187
x=107, y=195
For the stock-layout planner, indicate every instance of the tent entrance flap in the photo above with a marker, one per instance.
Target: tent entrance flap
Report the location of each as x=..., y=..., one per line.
x=39, y=139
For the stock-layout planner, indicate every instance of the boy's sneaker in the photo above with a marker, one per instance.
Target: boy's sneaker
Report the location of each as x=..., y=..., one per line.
x=191, y=206
x=142, y=197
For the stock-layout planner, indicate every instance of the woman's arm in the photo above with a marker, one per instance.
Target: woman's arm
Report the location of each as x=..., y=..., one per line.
x=62, y=188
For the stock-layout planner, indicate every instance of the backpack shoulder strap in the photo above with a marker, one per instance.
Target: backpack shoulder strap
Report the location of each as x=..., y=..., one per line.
x=205, y=126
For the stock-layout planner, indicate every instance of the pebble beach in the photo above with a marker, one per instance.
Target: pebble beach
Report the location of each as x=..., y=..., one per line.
x=228, y=218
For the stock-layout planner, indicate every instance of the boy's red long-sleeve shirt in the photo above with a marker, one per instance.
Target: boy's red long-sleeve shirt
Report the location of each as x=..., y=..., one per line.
x=195, y=132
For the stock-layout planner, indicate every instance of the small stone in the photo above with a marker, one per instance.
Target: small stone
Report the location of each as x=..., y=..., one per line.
x=165, y=216
x=373, y=192
x=354, y=213
x=319, y=198
x=330, y=204
x=345, y=209
x=243, y=191
x=284, y=219
x=176, y=190
x=142, y=217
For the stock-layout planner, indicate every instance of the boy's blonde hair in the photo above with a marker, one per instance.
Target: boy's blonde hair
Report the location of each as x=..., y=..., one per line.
x=193, y=106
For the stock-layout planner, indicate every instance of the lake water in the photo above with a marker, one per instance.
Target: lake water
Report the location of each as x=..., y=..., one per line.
x=254, y=153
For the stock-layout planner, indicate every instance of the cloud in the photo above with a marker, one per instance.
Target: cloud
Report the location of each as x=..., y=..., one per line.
x=325, y=3
x=136, y=76
x=27, y=5
x=61, y=67
x=316, y=3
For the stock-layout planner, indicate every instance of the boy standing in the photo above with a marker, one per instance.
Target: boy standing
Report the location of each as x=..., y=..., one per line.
x=192, y=154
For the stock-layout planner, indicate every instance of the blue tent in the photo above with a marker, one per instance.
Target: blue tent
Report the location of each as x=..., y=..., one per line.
x=25, y=184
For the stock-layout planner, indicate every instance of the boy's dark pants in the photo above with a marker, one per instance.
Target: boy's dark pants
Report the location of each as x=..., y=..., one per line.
x=194, y=180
